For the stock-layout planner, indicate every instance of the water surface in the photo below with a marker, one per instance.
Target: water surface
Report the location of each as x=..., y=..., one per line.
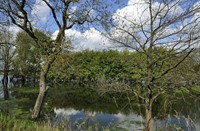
x=83, y=108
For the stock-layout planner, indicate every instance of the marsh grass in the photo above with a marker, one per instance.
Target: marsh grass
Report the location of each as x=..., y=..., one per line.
x=8, y=123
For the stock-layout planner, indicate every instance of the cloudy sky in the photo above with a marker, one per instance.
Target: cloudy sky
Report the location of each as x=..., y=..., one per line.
x=132, y=10
x=81, y=40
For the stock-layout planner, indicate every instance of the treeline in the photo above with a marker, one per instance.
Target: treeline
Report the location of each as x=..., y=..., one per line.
x=88, y=66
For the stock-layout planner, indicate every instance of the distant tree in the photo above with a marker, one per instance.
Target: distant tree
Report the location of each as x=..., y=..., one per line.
x=168, y=24
x=7, y=52
x=28, y=56
x=191, y=67
x=86, y=66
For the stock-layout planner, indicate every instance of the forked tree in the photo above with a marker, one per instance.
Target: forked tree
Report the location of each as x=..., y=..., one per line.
x=64, y=13
x=164, y=33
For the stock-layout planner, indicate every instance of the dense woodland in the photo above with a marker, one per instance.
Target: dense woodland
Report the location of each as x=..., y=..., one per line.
x=88, y=66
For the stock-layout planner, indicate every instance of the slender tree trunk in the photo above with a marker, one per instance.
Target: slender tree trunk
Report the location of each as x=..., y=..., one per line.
x=6, y=93
x=5, y=78
x=5, y=74
x=148, y=108
x=5, y=81
x=42, y=89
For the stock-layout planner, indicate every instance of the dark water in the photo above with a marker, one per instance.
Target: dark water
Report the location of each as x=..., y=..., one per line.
x=83, y=108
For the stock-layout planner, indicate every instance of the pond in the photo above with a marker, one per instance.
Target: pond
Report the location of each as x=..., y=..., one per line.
x=82, y=108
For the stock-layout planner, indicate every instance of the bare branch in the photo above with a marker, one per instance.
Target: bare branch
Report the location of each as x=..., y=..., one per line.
x=54, y=13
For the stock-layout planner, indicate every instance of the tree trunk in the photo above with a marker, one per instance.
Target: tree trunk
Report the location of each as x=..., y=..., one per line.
x=148, y=107
x=6, y=93
x=5, y=81
x=5, y=74
x=42, y=89
x=38, y=104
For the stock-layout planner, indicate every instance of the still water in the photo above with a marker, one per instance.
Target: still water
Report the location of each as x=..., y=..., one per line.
x=83, y=118
x=82, y=108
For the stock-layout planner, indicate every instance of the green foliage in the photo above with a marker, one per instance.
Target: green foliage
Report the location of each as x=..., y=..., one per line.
x=87, y=66
x=8, y=123
x=29, y=53
x=196, y=90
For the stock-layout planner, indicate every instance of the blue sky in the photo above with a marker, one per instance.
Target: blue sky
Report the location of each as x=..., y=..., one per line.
x=90, y=37
x=45, y=21
x=82, y=38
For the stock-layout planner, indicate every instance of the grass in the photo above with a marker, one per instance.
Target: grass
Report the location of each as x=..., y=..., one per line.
x=8, y=123
x=26, y=90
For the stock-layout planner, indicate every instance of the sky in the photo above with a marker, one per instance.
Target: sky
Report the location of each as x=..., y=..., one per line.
x=91, y=37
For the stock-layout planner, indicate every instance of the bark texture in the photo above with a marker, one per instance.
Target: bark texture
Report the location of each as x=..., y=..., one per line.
x=42, y=89
x=148, y=108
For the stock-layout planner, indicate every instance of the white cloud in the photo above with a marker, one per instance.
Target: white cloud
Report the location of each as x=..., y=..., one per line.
x=40, y=11
x=133, y=23
x=66, y=112
x=129, y=121
x=128, y=19
x=90, y=39
x=136, y=11
x=14, y=29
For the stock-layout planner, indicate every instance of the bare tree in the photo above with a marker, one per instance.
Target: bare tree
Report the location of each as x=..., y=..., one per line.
x=64, y=16
x=148, y=27
x=7, y=52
